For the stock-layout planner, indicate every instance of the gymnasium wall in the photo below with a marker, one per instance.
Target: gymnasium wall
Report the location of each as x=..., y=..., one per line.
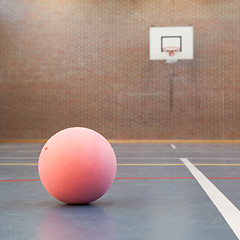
x=86, y=63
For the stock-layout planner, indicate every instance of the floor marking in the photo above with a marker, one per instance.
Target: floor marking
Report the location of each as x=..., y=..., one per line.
x=148, y=158
x=171, y=140
x=216, y=164
x=129, y=141
x=224, y=178
x=151, y=178
x=125, y=178
x=143, y=158
x=18, y=157
x=177, y=164
x=173, y=146
x=150, y=164
x=119, y=164
x=173, y=164
x=137, y=164
x=230, y=213
x=172, y=158
x=18, y=164
x=120, y=178
x=19, y=180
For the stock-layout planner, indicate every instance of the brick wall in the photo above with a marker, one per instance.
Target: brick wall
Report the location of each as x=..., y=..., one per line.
x=86, y=63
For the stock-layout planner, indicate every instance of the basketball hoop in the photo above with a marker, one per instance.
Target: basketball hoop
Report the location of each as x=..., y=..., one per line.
x=171, y=51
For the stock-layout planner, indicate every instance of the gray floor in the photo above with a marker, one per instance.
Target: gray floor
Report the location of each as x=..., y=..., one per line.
x=145, y=201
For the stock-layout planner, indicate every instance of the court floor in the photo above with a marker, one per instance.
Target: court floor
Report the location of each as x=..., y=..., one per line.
x=161, y=191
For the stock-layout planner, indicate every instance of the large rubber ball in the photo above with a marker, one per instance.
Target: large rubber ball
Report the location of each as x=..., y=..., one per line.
x=77, y=165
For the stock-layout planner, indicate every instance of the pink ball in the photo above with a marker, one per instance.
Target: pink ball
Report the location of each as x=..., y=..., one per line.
x=77, y=165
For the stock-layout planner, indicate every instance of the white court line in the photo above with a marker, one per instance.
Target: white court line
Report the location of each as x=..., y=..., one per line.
x=173, y=146
x=230, y=213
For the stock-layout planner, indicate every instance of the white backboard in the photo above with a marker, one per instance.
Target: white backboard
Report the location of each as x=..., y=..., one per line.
x=179, y=37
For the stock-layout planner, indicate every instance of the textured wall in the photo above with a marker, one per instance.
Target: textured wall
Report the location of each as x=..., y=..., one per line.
x=86, y=63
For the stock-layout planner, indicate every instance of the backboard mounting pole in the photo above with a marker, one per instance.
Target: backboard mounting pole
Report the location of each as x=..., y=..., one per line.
x=170, y=87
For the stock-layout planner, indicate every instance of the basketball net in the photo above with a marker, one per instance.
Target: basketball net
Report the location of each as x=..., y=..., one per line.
x=171, y=51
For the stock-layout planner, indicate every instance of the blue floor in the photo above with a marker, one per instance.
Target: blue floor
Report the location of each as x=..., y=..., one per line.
x=145, y=202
